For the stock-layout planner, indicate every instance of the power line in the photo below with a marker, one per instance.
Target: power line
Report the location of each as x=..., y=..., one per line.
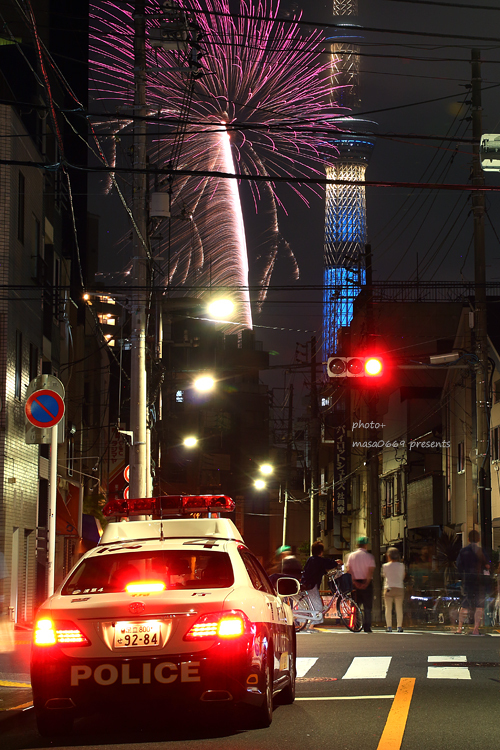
x=451, y=6
x=254, y=177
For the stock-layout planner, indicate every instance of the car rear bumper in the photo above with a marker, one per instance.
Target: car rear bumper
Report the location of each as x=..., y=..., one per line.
x=221, y=673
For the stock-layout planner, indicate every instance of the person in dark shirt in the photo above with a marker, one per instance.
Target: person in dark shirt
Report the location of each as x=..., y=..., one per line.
x=285, y=564
x=472, y=564
x=314, y=570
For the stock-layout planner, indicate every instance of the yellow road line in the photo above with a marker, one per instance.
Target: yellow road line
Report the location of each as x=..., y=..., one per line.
x=6, y=683
x=18, y=708
x=392, y=736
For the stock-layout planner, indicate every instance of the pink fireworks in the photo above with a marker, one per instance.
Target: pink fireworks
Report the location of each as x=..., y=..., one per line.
x=264, y=89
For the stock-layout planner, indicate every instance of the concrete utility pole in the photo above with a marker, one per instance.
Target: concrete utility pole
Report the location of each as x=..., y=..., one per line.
x=289, y=441
x=480, y=325
x=315, y=434
x=139, y=459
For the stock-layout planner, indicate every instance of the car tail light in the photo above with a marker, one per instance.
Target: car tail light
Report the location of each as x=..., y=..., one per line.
x=145, y=587
x=50, y=632
x=225, y=625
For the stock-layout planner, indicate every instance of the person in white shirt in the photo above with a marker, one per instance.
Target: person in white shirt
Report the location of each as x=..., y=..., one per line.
x=394, y=573
x=360, y=565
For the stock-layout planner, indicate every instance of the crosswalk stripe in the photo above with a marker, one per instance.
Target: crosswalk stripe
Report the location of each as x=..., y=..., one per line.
x=454, y=672
x=449, y=667
x=368, y=668
x=304, y=664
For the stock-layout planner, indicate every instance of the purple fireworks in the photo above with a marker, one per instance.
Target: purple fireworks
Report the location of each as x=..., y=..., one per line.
x=256, y=109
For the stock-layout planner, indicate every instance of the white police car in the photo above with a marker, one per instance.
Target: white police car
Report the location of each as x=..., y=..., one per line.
x=164, y=612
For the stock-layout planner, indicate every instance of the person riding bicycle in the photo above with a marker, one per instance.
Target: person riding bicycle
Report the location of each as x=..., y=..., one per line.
x=285, y=563
x=314, y=570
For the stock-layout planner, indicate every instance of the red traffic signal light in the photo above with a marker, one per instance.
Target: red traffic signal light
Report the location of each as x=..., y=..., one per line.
x=355, y=367
x=374, y=367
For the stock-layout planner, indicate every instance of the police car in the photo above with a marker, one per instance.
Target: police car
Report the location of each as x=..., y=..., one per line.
x=164, y=612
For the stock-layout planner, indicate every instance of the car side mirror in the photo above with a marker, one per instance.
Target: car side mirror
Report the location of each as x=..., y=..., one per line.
x=287, y=586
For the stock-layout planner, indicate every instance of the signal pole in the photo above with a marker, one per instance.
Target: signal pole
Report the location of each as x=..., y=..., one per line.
x=372, y=455
x=139, y=458
x=480, y=328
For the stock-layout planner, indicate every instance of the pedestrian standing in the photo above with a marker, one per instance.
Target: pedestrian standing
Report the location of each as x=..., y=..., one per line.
x=360, y=565
x=394, y=573
x=472, y=565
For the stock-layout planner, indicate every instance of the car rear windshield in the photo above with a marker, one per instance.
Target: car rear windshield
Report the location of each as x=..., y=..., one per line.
x=178, y=569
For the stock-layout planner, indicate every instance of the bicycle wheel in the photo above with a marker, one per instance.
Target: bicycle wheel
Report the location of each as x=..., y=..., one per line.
x=350, y=614
x=300, y=603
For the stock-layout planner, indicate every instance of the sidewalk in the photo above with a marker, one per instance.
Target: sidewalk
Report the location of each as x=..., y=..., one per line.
x=15, y=696
x=15, y=686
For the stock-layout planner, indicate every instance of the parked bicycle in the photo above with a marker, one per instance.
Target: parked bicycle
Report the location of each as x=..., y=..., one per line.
x=339, y=604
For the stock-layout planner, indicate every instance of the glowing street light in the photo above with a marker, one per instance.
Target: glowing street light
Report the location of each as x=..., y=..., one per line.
x=204, y=383
x=221, y=309
x=190, y=441
x=266, y=469
x=259, y=484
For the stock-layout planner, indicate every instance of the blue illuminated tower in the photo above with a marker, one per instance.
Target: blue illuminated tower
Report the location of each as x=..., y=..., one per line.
x=345, y=210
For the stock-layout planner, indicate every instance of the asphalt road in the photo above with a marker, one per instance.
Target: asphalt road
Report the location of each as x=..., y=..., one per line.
x=414, y=691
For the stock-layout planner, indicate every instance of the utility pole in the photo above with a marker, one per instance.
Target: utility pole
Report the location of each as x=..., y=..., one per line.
x=139, y=458
x=288, y=467
x=480, y=326
x=373, y=480
x=315, y=432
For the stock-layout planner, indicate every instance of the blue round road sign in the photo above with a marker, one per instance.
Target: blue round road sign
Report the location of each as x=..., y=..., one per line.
x=44, y=408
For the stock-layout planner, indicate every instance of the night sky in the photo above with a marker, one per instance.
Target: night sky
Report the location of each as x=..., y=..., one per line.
x=406, y=227
x=398, y=73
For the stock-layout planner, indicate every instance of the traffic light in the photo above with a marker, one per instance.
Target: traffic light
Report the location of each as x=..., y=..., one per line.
x=355, y=367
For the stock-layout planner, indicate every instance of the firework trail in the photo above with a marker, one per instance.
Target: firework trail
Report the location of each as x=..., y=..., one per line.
x=264, y=86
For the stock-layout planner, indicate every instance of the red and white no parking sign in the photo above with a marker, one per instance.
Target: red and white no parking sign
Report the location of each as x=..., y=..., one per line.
x=44, y=408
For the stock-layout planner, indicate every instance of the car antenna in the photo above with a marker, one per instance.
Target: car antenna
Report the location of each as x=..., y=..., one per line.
x=161, y=531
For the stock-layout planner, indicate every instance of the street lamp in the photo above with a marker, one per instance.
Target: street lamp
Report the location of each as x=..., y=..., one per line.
x=221, y=309
x=266, y=469
x=259, y=484
x=204, y=383
x=190, y=441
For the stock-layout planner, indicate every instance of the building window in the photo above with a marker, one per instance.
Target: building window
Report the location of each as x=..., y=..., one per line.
x=19, y=364
x=496, y=392
x=57, y=288
x=398, y=505
x=21, y=200
x=33, y=361
x=356, y=492
x=389, y=496
x=495, y=444
x=37, y=246
x=106, y=319
x=460, y=458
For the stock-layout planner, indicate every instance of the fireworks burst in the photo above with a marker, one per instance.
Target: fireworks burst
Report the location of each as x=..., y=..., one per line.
x=263, y=88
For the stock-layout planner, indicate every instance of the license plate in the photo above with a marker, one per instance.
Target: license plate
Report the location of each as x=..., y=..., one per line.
x=137, y=634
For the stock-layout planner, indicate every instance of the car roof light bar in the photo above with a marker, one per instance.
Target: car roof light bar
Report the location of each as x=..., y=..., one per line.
x=169, y=505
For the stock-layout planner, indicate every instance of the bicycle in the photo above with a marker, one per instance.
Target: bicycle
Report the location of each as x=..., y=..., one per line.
x=339, y=604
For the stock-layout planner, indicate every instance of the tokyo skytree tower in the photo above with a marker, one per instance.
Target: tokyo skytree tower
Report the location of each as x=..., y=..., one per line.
x=345, y=210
